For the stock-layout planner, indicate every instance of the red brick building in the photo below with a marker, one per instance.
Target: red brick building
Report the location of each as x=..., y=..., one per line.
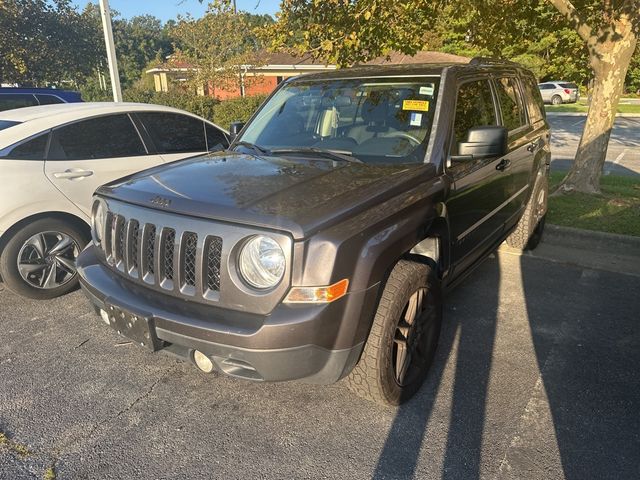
x=278, y=66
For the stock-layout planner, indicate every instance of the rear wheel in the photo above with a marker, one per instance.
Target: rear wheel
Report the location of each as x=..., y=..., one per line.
x=528, y=232
x=404, y=336
x=38, y=261
x=556, y=100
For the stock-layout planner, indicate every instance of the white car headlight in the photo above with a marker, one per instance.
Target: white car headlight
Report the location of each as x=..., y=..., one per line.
x=98, y=219
x=262, y=262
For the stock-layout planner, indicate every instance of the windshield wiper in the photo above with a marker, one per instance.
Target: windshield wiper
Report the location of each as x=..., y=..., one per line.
x=252, y=146
x=340, y=155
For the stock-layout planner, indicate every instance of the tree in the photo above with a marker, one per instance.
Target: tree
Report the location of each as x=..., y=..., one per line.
x=601, y=33
x=43, y=43
x=610, y=35
x=217, y=45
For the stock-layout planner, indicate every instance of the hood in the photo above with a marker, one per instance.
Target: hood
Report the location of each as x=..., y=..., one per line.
x=299, y=196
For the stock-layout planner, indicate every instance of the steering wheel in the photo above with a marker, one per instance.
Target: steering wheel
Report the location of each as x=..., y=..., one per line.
x=405, y=135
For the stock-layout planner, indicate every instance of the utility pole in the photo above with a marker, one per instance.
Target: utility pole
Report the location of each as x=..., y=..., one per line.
x=111, y=50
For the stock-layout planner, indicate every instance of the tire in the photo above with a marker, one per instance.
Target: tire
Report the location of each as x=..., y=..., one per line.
x=376, y=376
x=528, y=232
x=46, y=250
x=556, y=100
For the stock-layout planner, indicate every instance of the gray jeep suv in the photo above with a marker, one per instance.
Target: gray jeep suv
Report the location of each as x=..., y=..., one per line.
x=319, y=245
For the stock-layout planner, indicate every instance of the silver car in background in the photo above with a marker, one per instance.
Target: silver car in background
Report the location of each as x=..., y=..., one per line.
x=557, y=93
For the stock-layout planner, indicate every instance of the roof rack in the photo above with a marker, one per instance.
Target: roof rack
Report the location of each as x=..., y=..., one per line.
x=491, y=61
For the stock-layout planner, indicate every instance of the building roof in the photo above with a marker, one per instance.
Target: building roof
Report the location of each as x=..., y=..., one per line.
x=287, y=61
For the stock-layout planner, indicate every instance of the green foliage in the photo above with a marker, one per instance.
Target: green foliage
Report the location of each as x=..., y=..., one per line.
x=44, y=42
x=347, y=32
x=220, y=112
x=236, y=109
x=200, y=105
x=218, y=44
x=616, y=210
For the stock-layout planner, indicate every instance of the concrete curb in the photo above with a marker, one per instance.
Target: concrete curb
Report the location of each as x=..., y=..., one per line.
x=586, y=249
x=582, y=114
x=592, y=240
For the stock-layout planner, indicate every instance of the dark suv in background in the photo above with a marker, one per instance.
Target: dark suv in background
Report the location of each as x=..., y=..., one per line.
x=319, y=245
x=13, y=97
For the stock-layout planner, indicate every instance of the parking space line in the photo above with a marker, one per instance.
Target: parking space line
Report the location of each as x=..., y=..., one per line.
x=616, y=161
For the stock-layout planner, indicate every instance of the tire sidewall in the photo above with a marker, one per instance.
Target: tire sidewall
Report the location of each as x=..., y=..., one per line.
x=8, y=258
x=394, y=393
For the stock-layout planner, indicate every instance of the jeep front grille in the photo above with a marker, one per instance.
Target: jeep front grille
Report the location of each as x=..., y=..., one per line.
x=163, y=257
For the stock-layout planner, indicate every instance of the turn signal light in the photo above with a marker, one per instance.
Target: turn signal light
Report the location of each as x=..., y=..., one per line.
x=326, y=294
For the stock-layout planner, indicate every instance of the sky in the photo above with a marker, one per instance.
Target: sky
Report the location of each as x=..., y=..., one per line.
x=168, y=9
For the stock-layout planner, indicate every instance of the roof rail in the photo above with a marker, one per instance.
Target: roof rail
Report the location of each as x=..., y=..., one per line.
x=491, y=61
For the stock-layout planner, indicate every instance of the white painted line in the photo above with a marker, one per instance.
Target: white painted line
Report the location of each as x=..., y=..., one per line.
x=617, y=160
x=577, y=123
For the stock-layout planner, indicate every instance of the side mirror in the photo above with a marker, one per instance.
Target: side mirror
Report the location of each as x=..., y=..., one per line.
x=234, y=129
x=482, y=142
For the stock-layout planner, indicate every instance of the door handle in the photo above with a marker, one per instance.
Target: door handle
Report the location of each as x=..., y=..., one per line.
x=503, y=165
x=71, y=174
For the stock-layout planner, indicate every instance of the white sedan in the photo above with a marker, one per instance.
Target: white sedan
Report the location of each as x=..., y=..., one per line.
x=53, y=157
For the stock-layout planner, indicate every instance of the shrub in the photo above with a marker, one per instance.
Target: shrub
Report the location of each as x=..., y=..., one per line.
x=203, y=106
x=236, y=109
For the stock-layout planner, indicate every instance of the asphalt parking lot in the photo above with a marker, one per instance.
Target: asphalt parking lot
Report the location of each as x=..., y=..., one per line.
x=536, y=377
x=623, y=154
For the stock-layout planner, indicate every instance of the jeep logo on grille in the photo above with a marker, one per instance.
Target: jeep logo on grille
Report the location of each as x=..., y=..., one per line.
x=160, y=201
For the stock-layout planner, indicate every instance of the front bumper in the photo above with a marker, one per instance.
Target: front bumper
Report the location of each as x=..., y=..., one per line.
x=314, y=343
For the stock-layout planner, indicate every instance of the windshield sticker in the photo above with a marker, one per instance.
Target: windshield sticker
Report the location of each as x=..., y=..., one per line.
x=415, y=120
x=427, y=89
x=418, y=105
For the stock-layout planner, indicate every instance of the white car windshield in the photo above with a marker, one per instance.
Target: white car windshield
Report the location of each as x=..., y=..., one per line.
x=373, y=120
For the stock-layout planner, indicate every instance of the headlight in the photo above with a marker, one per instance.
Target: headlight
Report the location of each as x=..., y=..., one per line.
x=262, y=262
x=98, y=218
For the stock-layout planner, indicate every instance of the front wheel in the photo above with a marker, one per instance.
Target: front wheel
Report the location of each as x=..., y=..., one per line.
x=404, y=336
x=38, y=261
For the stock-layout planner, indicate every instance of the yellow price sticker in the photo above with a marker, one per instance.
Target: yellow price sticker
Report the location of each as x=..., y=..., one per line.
x=416, y=105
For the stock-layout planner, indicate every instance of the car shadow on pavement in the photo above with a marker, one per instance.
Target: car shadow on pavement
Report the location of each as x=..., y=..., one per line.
x=564, y=379
x=589, y=361
x=474, y=338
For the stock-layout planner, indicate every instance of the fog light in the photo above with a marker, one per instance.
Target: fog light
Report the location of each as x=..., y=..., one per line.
x=105, y=316
x=203, y=362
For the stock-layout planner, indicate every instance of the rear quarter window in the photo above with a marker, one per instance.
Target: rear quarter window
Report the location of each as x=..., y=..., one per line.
x=46, y=99
x=533, y=99
x=32, y=149
x=568, y=85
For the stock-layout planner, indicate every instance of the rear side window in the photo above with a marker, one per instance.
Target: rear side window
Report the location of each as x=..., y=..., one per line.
x=510, y=103
x=474, y=108
x=546, y=86
x=32, y=149
x=174, y=133
x=568, y=85
x=533, y=99
x=9, y=101
x=45, y=99
x=110, y=136
x=216, y=139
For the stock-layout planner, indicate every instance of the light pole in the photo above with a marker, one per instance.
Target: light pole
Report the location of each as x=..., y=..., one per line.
x=111, y=50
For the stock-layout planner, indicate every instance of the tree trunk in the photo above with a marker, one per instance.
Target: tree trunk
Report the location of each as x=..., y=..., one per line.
x=610, y=60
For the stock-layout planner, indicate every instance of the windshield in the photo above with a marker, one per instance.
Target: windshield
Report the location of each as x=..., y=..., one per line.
x=374, y=120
